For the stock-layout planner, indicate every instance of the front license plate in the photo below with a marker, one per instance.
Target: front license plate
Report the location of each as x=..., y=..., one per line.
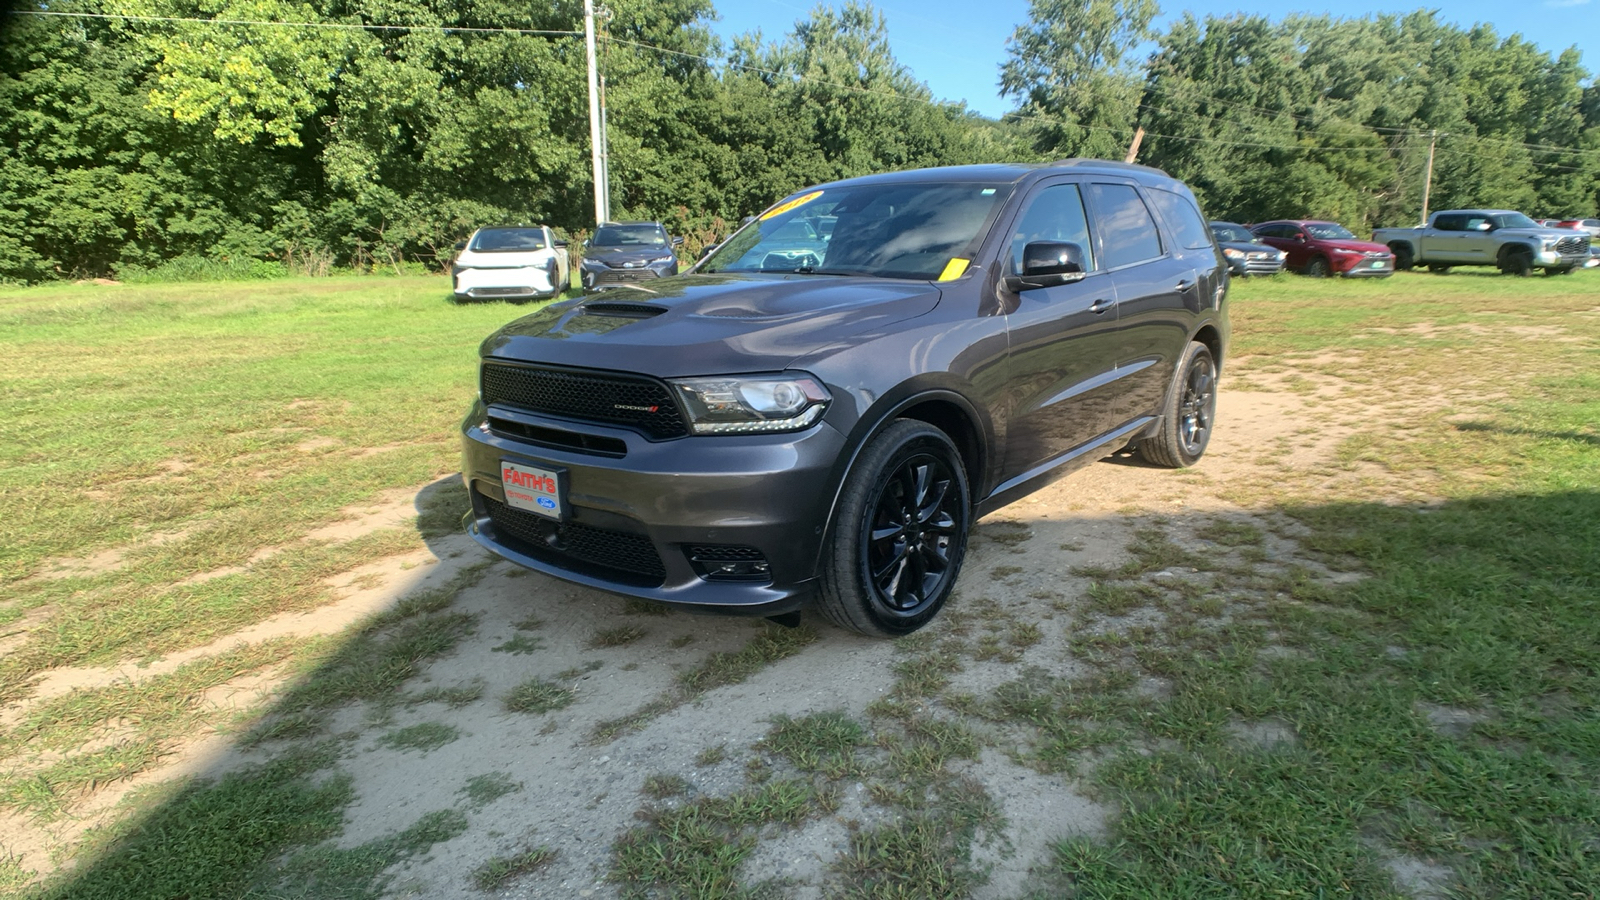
x=1378, y=265
x=537, y=490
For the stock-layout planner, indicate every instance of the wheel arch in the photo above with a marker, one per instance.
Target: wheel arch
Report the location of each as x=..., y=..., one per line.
x=1507, y=249
x=1212, y=338
x=944, y=408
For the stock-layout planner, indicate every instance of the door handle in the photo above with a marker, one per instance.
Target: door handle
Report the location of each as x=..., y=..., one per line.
x=1101, y=305
x=1184, y=286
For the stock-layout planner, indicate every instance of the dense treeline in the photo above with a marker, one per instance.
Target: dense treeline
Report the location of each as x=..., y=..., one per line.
x=127, y=143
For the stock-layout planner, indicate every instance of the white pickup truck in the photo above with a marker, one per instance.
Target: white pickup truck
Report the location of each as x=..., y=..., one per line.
x=1486, y=237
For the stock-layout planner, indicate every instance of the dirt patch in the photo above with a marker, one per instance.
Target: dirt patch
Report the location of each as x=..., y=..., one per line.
x=578, y=795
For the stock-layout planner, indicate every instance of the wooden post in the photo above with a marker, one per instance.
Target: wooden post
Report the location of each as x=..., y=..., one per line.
x=1133, y=148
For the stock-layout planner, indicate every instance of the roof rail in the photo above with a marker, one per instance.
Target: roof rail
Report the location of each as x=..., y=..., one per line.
x=1107, y=163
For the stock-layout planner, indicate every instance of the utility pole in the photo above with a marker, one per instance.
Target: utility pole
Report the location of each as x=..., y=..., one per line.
x=1427, y=180
x=597, y=139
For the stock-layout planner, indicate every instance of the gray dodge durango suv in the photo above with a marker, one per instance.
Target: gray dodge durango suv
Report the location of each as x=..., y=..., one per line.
x=774, y=428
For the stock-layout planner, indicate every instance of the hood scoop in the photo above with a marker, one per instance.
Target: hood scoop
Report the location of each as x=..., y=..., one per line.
x=623, y=310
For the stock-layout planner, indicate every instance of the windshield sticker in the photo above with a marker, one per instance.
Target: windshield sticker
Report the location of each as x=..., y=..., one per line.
x=796, y=203
x=954, y=270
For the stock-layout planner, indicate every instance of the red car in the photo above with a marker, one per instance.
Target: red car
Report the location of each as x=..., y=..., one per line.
x=1590, y=225
x=1320, y=249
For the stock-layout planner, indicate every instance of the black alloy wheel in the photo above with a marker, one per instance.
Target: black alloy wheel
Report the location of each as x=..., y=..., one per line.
x=910, y=534
x=1189, y=413
x=897, y=543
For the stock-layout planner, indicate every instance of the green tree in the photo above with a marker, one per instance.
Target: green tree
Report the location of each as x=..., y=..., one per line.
x=1069, y=70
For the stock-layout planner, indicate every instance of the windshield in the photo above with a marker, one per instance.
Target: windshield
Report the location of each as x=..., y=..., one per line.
x=1226, y=232
x=629, y=236
x=1513, y=220
x=883, y=230
x=508, y=240
x=1327, y=231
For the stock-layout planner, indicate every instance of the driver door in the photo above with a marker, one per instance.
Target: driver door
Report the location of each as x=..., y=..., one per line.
x=1063, y=340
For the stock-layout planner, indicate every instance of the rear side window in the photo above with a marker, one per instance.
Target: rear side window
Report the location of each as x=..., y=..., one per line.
x=1182, y=218
x=1448, y=223
x=1127, y=232
x=1054, y=214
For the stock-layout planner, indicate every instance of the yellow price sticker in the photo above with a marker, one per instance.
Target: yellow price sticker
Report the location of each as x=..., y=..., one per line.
x=787, y=205
x=954, y=269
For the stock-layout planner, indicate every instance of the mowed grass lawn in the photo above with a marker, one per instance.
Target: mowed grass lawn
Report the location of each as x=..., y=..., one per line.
x=153, y=436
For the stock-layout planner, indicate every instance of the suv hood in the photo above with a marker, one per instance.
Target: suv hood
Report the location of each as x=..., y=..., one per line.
x=615, y=256
x=710, y=324
x=503, y=259
x=1357, y=246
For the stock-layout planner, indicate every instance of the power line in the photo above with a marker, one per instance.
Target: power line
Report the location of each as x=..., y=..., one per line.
x=341, y=26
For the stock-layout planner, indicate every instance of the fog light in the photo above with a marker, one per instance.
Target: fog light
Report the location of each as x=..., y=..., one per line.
x=726, y=562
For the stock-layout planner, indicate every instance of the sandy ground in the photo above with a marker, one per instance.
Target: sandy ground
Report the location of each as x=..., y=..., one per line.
x=576, y=797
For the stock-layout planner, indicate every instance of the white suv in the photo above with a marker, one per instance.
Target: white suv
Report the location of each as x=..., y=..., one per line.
x=511, y=262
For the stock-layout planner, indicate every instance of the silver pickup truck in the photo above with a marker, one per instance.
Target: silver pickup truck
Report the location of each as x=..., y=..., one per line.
x=1486, y=237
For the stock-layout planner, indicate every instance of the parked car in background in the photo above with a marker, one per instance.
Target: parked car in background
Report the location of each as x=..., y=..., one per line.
x=1592, y=226
x=624, y=253
x=1245, y=254
x=1503, y=238
x=510, y=262
x=1321, y=249
x=768, y=429
x=1550, y=223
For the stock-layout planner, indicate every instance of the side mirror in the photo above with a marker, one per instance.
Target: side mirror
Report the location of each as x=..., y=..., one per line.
x=560, y=242
x=677, y=242
x=461, y=245
x=706, y=250
x=585, y=244
x=1048, y=264
x=746, y=220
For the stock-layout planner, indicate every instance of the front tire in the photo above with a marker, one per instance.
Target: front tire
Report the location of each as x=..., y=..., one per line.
x=1403, y=260
x=1519, y=263
x=896, y=547
x=1189, y=413
x=1317, y=268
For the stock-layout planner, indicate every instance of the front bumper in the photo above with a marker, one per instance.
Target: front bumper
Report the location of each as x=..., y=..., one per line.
x=642, y=512
x=1248, y=266
x=536, y=282
x=599, y=277
x=1557, y=259
x=1365, y=266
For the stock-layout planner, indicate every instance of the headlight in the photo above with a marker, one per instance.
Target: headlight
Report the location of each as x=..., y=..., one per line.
x=1231, y=253
x=592, y=264
x=752, y=404
x=658, y=260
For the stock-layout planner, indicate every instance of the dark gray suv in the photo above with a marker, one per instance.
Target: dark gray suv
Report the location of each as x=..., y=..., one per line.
x=773, y=427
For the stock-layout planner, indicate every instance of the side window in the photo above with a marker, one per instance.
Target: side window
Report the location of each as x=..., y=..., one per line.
x=1266, y=231
x=1055, y=214
x=1182, y=218
x=1447, y=223
x=1127, y=231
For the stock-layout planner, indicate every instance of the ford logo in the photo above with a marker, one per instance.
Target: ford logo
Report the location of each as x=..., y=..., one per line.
x=547, y=503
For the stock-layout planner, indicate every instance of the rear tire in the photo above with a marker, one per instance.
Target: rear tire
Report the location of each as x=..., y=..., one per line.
x=895, y=549
x=1188, y=414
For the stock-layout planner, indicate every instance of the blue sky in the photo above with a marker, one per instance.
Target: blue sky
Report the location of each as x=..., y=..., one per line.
x=957, y=46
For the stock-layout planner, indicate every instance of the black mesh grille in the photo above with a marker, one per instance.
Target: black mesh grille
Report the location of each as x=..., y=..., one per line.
x=1569, y=245
x=613, y=554
x=612, y=398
